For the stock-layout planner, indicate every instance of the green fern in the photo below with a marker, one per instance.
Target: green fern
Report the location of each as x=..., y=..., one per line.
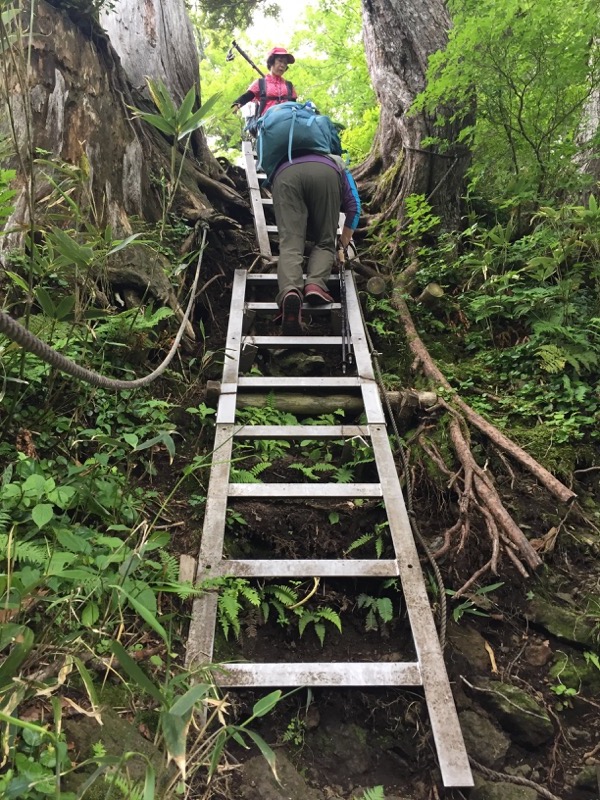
x=5, y=520
x=170, y=566
x=234, y=593
x=280, y=597
x=125, y=787
x=381, y=607
x=316, y=618
x=344, y=474
x=552, y=358
x=22, y=551
x=360, y=542
x=376, y=793
x=310, y=471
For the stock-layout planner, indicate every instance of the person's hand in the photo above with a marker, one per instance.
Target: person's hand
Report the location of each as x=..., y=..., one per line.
x=235, y=107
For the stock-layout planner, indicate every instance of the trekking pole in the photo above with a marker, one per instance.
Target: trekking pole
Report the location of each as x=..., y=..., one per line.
x=230, y=56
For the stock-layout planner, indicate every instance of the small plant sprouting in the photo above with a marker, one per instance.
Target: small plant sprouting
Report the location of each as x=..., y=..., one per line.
x=475, y=603
x=379, y=610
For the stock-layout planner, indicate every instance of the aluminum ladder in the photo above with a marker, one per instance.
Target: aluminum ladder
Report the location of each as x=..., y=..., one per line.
x=428, y=670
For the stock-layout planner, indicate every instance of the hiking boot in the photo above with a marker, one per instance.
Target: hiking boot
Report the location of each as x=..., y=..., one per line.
x=316, y=296
x=291, y=314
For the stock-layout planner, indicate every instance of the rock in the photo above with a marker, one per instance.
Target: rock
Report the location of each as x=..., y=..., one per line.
x=84, y=732
x=467, y=641
x=517, y=712
x=343, y=746
x=484, y=741
x=576, y=672
x=588, y=778
x=486, y=790
x=574, y=626
x=258, y=782
x=537, y=654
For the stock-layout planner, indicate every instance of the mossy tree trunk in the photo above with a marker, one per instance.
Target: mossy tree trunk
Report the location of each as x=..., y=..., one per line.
x=399, y=37
x=66, y=93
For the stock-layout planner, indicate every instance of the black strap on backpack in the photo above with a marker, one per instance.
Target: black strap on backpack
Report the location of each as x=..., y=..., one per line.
x=263, y=98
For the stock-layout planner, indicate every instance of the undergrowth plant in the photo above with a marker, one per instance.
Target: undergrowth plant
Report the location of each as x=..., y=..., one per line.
x=237, y=596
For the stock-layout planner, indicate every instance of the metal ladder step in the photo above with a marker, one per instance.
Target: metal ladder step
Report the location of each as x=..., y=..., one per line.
x=305, y=567
x=344, y=673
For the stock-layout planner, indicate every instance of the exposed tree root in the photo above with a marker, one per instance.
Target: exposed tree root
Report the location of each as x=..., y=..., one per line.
x=474, y=485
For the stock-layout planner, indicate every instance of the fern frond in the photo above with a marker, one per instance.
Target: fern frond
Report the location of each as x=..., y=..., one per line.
x=376, y=793
x=257, y=469
x=170, y=567
x=23, y=551
x=243, y=476
x=331, y=616
x=360, y=542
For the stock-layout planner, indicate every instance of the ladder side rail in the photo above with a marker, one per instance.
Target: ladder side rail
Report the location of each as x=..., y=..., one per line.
x=362, y=356
x=204, y=610
x=447, y=734
x=258, y=209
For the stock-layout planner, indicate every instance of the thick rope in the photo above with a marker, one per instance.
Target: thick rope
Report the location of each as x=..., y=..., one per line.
x=409, y=493
x=27, y=340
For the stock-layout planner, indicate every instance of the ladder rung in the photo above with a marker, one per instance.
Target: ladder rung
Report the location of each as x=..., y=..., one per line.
x=305, y=307
x=258, y=277
x=307, y=567
x=294, y=341
x=307, y=382
x=301, y=431
x=357, y=673
x=276, y=490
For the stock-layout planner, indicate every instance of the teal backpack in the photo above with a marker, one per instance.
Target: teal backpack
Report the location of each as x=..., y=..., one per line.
x=290, y=129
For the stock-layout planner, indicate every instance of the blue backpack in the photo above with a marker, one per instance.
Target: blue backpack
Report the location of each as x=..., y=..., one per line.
x=289, y=129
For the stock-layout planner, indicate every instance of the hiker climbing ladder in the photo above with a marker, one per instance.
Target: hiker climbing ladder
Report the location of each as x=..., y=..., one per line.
x=428, y=669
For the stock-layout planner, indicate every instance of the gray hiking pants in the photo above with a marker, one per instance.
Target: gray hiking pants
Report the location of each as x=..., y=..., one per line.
x=306, y=201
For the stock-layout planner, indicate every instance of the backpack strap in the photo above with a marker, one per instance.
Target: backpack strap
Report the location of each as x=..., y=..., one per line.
x=290, y=90
x=262, y=94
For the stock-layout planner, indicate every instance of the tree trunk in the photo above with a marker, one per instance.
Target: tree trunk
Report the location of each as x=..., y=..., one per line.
x=399, y=37
x=588, y=157
x=77, y=107
x=154, y=39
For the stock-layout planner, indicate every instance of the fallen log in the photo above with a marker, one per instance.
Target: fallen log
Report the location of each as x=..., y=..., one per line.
x=404, y=404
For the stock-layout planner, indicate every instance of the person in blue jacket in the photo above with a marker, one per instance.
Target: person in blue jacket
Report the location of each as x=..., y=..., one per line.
x=308, y=193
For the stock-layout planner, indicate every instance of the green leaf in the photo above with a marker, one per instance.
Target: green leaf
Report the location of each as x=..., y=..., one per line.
x=186, y=107
x=199, y=117
x=124, y=243
x=72, y=542
x=158, y=122
x=217, y=751
x=88, y=682
x=162, y=99
x=71, y=249
x=137, y=675
x=174, y=729
x=187, y=701
x=146, y=615
x=149, y=783
x=45, y=302
x=132, y=439
x=266, y=752
x=90, y=614
x=18, y=280
x=22, y=641
x=266, y=704
x=65, y=307
x=42, y=514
